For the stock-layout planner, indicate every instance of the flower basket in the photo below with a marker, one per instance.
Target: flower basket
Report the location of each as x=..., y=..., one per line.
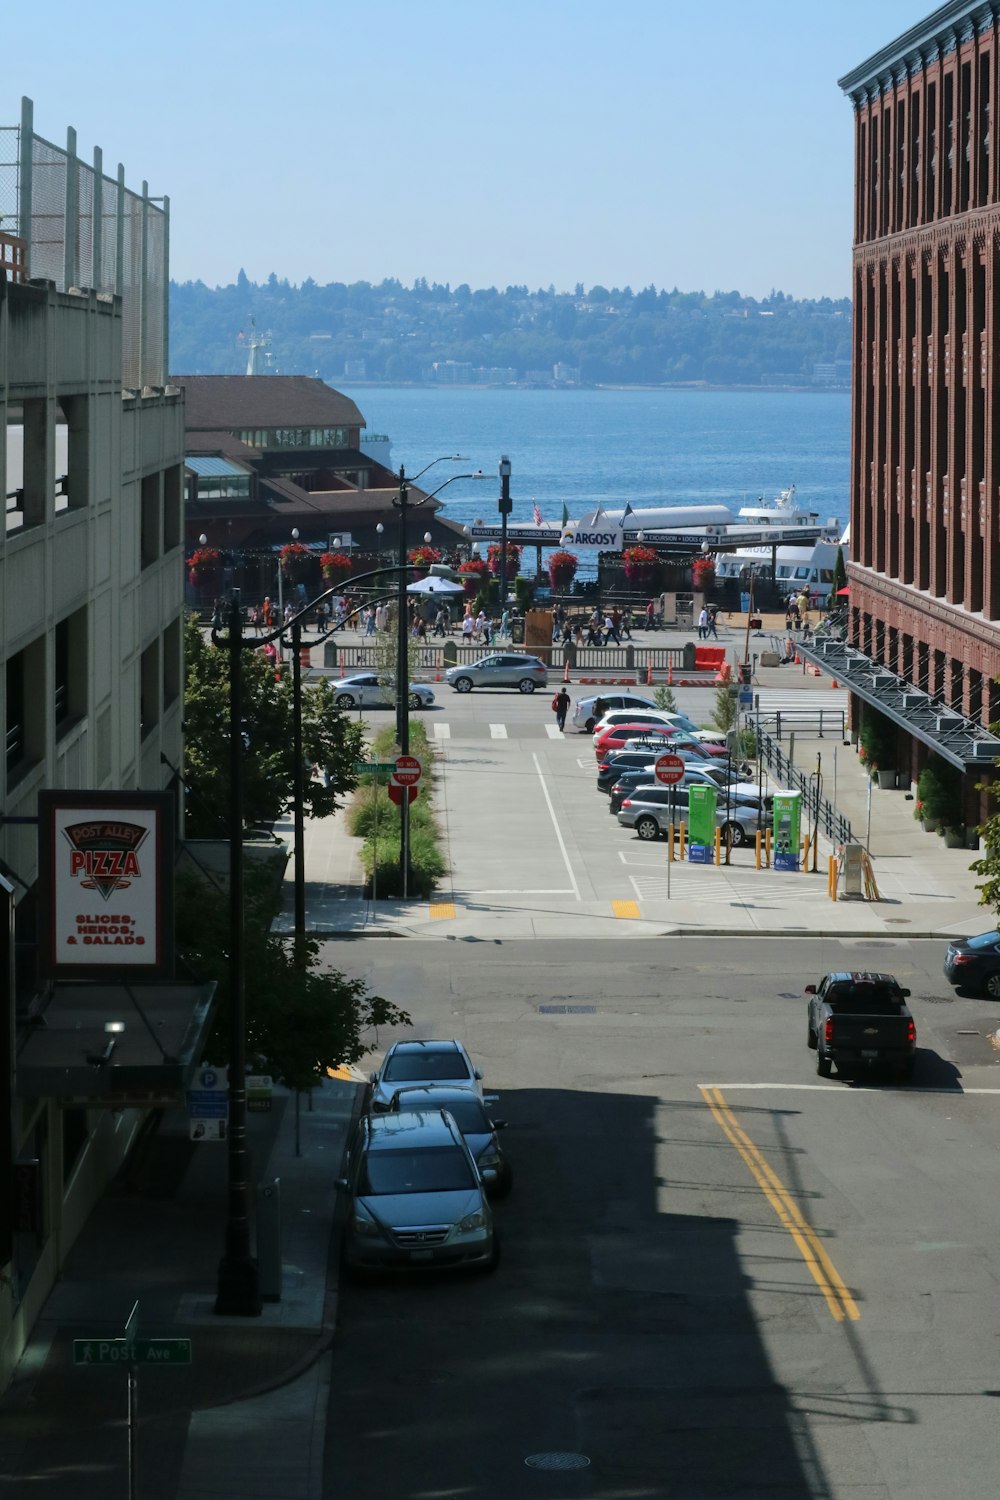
x=296, y=562
x=335, y=565
x=203, y=566
x=494, y=555
x=562, y=569
x=703, y=574
x=474, y=575
x=639, y=563
x=422, y=557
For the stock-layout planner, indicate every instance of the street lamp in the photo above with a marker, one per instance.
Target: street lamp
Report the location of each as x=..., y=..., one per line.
x=281, y=597
x=505, y=506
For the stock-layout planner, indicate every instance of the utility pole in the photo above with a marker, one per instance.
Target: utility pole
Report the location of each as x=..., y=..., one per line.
x=505, y=505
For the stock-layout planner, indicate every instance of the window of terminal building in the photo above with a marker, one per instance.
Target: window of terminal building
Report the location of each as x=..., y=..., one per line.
x=173, y=507
x=24, y=710
x=173, y=662
x=149, y=689
x=151, y=524
x=70, y=671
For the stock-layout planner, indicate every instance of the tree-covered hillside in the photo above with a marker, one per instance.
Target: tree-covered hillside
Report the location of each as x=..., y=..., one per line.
x=438, y=333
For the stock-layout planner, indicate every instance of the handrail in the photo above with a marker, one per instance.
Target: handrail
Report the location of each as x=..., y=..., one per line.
x=833, y=823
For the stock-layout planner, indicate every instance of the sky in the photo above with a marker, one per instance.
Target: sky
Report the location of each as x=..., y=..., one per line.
x=534, y=142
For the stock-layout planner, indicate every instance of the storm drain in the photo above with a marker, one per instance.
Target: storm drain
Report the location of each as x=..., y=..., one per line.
x=557, y=1461
x=566, y=1010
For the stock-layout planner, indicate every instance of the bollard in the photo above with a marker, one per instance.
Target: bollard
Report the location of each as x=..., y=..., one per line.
x=718, y=846
x=757, y=844
x=831, y=878
x=681, y=845
x=767, y=847
x=805, y=857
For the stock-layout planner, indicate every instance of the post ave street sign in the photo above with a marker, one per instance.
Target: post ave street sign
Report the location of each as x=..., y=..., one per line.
x=407, y=770
x=139, y=1351
x=668, y=768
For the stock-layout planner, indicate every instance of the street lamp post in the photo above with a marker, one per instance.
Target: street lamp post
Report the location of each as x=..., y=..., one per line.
x=505, y=505
x=281, y=595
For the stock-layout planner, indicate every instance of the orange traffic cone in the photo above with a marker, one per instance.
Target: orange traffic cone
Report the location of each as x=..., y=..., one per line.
x=566, y=670
x=834, y=683
x=670, y=674
x=649, y=671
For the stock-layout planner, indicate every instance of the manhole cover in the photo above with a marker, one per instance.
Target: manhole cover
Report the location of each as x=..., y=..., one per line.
x=557, y=1461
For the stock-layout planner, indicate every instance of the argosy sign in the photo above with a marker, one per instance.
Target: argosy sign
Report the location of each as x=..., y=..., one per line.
x=107, y=870
x=596, y=531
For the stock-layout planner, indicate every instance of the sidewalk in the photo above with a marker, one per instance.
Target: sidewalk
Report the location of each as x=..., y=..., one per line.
x=207, y=1430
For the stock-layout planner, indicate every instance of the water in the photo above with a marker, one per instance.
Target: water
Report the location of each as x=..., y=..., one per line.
x=610, y=446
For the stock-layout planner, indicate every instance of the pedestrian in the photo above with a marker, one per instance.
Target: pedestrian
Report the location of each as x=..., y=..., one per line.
x=439, y=622
x=651, y=615
x=600, y=709
x=468, y=625
x=560, y=707
x=611, y=629
x=369, y=621
x=626, y=626
x=703, y=624
x=594, y=632
x=505, y=625
x=712, y=627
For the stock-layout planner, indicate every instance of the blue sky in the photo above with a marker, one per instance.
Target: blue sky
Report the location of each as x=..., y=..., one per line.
x=536, y=141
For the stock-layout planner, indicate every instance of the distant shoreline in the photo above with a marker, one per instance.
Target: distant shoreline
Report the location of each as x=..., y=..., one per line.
x=687, y=389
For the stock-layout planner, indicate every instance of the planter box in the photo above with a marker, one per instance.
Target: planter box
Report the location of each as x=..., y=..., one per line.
x=887, y=780
x=954, y=838
x=930, y=825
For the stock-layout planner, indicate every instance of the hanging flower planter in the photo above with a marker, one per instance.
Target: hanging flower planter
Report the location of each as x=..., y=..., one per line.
x=204, y=565
x=494, y=555
x=422, y=557
x=562, y=569
x=639, y=563
x=703, y=574
x=335, y=565
x=296, y=562
x=474, y=575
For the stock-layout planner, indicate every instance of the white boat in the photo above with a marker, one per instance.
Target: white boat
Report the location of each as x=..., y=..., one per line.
x=796, y=567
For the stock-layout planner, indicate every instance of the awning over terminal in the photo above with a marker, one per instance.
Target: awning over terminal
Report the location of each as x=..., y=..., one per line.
x=951, y=735
x=124, y=1046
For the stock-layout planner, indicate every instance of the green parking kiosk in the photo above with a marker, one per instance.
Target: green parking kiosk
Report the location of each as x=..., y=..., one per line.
x=785, y=833
x=702, y=802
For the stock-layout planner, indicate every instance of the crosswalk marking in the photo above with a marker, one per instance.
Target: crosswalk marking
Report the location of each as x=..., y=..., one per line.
x=442, y=731
x=720, y=889
x=498, y=731
x=554, y=732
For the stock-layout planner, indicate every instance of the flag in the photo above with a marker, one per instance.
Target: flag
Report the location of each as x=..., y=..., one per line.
x=627, y=511
x=565, y=518
x=536, y=513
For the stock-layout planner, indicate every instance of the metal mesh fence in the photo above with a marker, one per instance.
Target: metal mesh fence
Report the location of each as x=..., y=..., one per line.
x=62, y=185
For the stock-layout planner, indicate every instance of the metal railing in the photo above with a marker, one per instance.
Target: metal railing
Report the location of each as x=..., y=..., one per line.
x=825, y=721
x=816, y=810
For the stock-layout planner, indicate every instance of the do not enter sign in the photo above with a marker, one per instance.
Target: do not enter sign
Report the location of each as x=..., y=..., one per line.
x=669, y=769
x=407, y=770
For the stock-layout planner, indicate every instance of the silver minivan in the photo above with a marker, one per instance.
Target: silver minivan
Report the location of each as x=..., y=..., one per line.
x=415, y=1196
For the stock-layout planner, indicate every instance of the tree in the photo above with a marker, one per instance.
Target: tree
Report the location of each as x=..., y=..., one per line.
x=329, y=740
x=726, y=712
x=302, y=1019
x=839, y=574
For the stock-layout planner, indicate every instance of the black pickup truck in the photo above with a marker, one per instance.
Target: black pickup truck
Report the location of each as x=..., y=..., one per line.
x=862, y=1023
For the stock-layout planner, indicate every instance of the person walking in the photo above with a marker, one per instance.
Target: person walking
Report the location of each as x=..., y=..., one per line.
x=703, y=624
x=713, y=629
x=561, y=706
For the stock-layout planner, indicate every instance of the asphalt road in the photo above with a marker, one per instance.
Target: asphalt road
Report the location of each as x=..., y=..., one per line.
x=722, y=1275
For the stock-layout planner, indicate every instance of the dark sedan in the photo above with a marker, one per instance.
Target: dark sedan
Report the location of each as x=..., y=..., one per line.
x=974, y=963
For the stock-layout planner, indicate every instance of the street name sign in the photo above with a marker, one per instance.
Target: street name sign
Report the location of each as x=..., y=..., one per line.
x=380, y=768
x=105, y=1352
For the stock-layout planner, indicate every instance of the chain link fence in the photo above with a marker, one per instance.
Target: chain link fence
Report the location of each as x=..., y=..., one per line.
x=80, y=228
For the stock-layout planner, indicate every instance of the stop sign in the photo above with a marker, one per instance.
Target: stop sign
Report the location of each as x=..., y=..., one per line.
x=396, y=793
x=668, y=768
x=407, y=770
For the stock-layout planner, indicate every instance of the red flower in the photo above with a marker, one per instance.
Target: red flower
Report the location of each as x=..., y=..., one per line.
x=494, y=555
x=562, y=568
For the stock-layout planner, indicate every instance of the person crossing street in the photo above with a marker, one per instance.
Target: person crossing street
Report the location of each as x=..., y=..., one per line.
x=561, y=707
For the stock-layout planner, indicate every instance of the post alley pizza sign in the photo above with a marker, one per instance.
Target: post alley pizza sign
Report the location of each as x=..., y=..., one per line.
x=106, y=863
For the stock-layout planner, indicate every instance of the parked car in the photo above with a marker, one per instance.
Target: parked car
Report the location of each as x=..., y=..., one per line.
x=647, y=810
x=422, y=1063
x=861, y=1021
x=368, y=690
x=415, y=1196
x=500, y=669
x=584, y=716
x=617, y=736
x=974, y=963
x=653, y=716
x=470, y=1115
x=740, y=793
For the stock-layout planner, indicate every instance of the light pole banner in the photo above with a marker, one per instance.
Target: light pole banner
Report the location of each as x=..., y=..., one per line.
x=702, y=802
x=787, y=825
x=106, y=863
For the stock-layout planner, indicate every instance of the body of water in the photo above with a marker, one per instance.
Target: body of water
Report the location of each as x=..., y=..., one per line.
x=612, y=446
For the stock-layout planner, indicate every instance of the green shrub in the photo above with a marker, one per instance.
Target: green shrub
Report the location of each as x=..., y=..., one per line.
x=664, y=699
x=939, y=790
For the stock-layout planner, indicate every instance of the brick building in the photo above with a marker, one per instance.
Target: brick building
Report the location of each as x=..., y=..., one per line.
x=923, y=638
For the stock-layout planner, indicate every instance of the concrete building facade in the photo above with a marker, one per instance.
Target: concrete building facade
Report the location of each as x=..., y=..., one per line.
x=91, y=595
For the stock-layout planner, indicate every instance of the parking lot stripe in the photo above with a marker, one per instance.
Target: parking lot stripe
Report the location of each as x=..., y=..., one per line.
x=442, y=731
x=554, y=732
x=856, y=1088
x=443, y=910
x=557, y=830
x=825, y=1274
x=626, y=909
x=498, y=731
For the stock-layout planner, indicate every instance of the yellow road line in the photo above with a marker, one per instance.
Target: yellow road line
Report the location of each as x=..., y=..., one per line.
x=810, y=1247
x=445, y=910
x=625, y=908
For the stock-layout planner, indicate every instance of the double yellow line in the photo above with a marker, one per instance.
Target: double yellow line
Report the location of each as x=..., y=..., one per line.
x=825, y=1274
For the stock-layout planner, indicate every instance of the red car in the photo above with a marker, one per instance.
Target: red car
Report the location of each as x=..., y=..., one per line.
x=614, y=737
